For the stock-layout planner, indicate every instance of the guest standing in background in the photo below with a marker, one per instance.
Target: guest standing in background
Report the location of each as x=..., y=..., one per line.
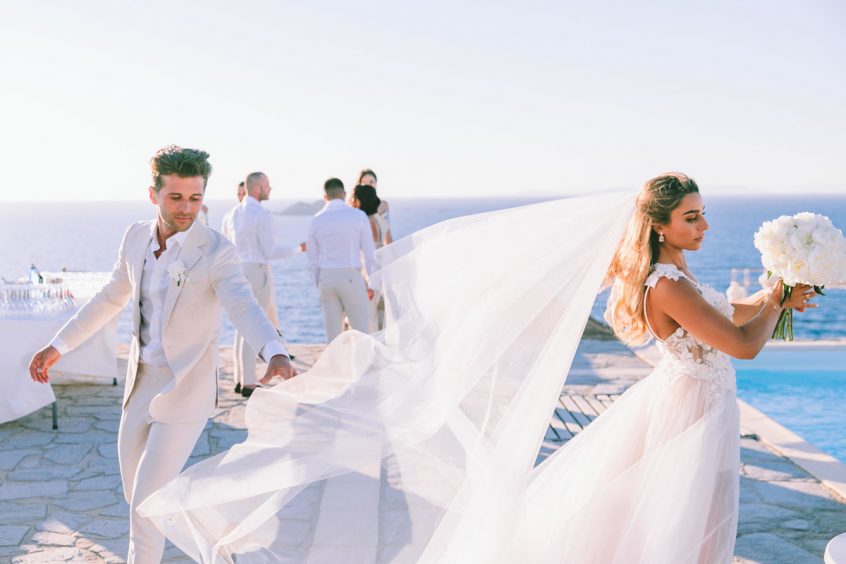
x=368, y=177
x=226, y=224
x=228, y=231
x=252, y=232
x=364, y=197
x=339, y=239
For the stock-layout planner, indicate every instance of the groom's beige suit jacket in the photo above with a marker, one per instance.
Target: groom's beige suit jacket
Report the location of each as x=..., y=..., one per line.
x=190, y=320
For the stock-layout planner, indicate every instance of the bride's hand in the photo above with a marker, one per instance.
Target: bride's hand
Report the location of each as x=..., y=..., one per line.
x=799, y=299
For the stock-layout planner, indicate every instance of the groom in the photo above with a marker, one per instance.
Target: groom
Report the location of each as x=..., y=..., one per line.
x=177, y=273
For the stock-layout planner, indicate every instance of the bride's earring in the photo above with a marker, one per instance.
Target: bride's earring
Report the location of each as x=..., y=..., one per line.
x=661, y=237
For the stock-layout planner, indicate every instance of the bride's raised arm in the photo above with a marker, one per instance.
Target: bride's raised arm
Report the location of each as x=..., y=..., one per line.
x=750, y=306
x=679, y=303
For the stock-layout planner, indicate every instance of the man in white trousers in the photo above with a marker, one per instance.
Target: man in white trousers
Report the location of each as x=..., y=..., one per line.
x=252, y=234
x=176, y=273
x=339, y=239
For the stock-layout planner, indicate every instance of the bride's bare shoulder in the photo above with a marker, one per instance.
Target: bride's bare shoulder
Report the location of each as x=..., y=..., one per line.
x=670, y=291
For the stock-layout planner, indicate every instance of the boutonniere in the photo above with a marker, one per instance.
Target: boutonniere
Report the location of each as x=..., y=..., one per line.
x=176, y=272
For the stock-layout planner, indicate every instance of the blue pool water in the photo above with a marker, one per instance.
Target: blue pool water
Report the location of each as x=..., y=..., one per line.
x=801, y=388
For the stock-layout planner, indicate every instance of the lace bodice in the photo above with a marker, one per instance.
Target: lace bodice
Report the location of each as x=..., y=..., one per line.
x=682, y=354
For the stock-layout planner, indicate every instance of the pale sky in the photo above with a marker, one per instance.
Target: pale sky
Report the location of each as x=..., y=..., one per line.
x=440, y=98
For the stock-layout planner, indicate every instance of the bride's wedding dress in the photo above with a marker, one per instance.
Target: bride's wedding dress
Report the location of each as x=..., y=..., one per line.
x=445, y=410
x=655, y=477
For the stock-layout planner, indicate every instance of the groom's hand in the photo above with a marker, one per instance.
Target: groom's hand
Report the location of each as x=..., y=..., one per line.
x=41, y=363
x=279, y=365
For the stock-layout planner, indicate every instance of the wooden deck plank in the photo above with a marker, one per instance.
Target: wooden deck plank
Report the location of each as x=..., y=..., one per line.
x=595, y=404
x=603, y=399
x=567, y=418
x=584, y=403
x=572, y=428
x=585, y=408
x=607, y=399
x=576, y=411
x=564, y=429
x=552, y=433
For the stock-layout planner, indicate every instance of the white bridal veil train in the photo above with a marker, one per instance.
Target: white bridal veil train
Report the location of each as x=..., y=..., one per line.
x=450, y=404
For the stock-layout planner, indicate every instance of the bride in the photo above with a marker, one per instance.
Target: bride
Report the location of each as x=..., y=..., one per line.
x=663, y=478
x=427, y=432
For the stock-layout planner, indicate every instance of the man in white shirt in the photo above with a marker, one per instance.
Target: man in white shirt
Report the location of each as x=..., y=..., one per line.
x=226, y=224
x=339, y=238
x=176, y=273
x=228, y=230
x=252, y=233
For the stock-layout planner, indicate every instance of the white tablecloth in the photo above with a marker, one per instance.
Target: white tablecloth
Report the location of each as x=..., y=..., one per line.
x=93, y=361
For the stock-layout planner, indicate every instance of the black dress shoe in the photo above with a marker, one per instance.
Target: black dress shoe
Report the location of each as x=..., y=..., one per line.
x=247, y=391
x=238, y=388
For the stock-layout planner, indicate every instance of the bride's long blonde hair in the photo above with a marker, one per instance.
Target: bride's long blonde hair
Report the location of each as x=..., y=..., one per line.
x=638, y=251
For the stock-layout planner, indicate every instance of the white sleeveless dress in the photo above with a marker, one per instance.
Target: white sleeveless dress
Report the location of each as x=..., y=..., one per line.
x=655, y=478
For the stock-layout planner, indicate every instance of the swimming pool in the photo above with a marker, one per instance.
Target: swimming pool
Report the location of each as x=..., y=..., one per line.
x=803, y=387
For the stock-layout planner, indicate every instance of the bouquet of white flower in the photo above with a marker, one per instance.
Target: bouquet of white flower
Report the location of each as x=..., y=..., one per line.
x=805, y=248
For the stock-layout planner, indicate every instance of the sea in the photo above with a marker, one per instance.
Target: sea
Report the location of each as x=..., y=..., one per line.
x=84, y=236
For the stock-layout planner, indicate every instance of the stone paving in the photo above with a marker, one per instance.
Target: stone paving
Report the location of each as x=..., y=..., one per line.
x=61, y=498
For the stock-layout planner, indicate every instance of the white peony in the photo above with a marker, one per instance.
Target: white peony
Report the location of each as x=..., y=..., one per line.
x=805, y=248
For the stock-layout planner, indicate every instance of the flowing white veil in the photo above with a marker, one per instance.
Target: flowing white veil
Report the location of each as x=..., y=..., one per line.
x=445, y=410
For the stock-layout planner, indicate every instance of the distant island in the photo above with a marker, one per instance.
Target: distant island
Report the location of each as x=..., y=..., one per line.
x=303, y=208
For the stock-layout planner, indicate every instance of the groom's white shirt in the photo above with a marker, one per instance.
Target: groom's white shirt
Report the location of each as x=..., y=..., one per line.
x=188, y=321
x=154, y=283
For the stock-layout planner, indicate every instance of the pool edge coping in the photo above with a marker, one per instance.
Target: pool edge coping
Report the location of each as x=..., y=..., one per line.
x=828, y=470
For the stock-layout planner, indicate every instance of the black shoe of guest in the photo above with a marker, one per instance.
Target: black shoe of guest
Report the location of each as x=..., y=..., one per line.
x=238, y=388
x=247, y=391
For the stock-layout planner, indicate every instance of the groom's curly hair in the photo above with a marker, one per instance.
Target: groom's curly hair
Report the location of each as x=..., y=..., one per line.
x=180, y=161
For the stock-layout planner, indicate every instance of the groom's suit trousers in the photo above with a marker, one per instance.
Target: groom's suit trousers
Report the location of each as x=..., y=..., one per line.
x=343, y=290
x=151, y=453
x=245, y=358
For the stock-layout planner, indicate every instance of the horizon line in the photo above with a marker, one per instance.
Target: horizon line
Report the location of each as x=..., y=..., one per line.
x=547, y=196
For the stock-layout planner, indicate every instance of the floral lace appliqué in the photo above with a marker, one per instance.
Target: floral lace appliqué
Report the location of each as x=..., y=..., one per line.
x=684, y=356
x=661, y=270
